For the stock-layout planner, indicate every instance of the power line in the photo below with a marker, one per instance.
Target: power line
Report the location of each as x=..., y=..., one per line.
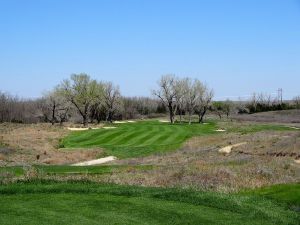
x=280, y=95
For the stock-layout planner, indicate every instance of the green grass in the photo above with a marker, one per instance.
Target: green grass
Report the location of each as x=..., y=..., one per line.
x=15, y=171
x=104, y=169
x=137, y=139
x=287, y=193
x=89, y=203
x=73, y=170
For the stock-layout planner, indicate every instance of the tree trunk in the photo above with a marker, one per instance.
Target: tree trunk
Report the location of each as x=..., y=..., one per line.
x=180, y=116
x=201, y=115
x=53, y=115
x=171, y=113
x=171, y=117
x=110, y=117
x=85, y=120
x=220, y=116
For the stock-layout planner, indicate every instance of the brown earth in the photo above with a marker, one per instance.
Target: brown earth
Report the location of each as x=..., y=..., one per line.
x=38, y=144
x=285, y=116
x=267, y=158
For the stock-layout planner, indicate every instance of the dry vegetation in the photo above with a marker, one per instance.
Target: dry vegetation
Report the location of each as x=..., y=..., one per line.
x=269, y=157
x=285, y=116
x=37, y=144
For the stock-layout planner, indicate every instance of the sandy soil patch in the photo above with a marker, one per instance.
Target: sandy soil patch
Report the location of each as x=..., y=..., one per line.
x=107, y=128
x=297, y=161
x=221, y=130
x=131, y=121
x=83, y=129
x=164, y=121
x=228, y=149
x=77, y=129
x=295, y=128
x=96, y=162
x=120, y=122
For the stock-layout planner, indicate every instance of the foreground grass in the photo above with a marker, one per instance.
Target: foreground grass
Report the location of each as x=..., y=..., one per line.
x=138, y=139
x=287, y=193
x=89, y=203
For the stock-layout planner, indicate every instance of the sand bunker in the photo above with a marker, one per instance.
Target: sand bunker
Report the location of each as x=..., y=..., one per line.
x=220, y=130
x=77, y=129
x=109, y=127
x=296, y=128
x=96, y=162
x=131, y=121
x=164, y=121
x=228, y=149
x=120, y=122
x=82, y=129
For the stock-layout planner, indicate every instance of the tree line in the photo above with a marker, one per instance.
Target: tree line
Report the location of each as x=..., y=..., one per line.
x=83, y=99
x=94, y=101
x=263, y=103
x=79, y=98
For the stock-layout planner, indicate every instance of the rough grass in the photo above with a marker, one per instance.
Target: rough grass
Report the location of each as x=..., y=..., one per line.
x=138, y=139
x=253, y=128
x=287, y=193
x=88, y=203
x=72, y=170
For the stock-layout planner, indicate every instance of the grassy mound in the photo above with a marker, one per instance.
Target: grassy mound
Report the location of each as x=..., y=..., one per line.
x=88, y=203
x=286, y=193
x=137, y=139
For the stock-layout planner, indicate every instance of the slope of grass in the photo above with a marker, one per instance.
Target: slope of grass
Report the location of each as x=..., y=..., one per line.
x=137, y=139
x=15, y=171
x=67, y=170
x=88, y=203
x=286, y=193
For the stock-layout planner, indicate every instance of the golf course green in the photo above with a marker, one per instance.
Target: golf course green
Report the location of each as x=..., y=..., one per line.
x=137, y=139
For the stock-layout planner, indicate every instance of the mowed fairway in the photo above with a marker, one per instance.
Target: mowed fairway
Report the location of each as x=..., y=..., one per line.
x=137, y=139
x=88, y=203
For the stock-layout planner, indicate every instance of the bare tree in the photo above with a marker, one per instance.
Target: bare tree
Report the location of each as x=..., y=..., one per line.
x=112, y=100
x=82, y=92
x=167, y=94
x=181, y=89
x=228, y=107
x=218, y=108
x=193, y=94
x=54, y=107
x=296, y=102
x=204, y=102
x=14, y=109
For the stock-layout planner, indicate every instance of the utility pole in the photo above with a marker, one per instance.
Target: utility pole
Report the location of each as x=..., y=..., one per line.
x=280, y=93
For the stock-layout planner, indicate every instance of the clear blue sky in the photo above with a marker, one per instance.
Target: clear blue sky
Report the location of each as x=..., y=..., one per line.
x=236, y=46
